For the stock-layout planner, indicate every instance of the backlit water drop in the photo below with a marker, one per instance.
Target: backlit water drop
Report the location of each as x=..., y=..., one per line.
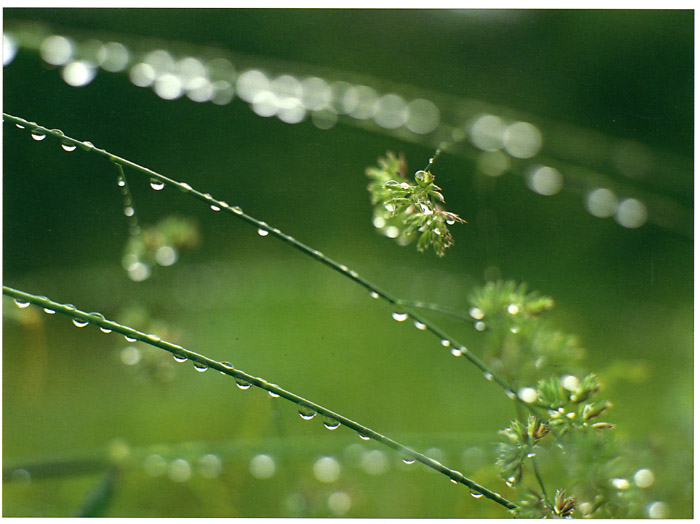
x=476, y=494
x=242, y=384
x=363, y=437
x=38, y=135
x=49, y=311
x=374, y=294
x=456, y=352
x=179, y=358
x=263, y=232
x=200, y=367
x=306, y=412
x=129, y=339
x=409, y=461
x=445, y=342
x=398, y=316
x=68, y=146
x=419, y=325
x=21, y=304
x=80, y=323
x=157, y=184
x=331, y=423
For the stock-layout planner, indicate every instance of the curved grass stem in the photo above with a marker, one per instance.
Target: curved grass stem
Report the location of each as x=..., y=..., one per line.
x=287, y=239
x=152, y=340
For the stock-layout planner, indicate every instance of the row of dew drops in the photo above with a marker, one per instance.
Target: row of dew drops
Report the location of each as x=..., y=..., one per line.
x=290, y=99
x=305, y=412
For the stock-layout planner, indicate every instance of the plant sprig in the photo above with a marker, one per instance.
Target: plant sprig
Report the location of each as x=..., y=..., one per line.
x=414, y=209
x=332, y=419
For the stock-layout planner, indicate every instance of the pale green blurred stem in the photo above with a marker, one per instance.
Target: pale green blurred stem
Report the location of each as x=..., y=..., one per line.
x=236, y=212
x=98, y=320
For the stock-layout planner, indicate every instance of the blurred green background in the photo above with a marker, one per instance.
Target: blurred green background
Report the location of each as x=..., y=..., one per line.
x=68, y=395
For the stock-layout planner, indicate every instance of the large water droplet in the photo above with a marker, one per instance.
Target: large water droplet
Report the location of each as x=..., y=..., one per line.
x=445, y=342
x=273, y=394
x=419, y=325
x=38, y=135
x=49, y=311
x=129, y=339
x=200, y=367
x=157, y=184
x=331, y=423
x=476, y=313
x=21, y=304
x=409, y=461
x=306, y=412
x=80, y=323
x=363, y=437
x=105, y=330
x=214, y=207
x=68, y=146
x=374, y=294
x=456, y=352
x=242, y=384
x=179, y=358
x=488, y=376
x=476, y=494
x=399, y=316
x=479, y=326
x=263, y=232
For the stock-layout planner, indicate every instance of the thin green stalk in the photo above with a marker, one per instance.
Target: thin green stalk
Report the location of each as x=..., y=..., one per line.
x=438, y=309
x=236, y=211
x=99, y=320
x=128, y=202
x=541, y=483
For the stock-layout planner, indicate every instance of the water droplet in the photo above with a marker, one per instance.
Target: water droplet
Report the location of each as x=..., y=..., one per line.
x=510, y=482
x=263, y=232
x=445, y=342
x=454, y=481
x=20, y=126
x=153, y=338
x=450, y=222
x=399, y=317
x=476, y=494
x=476, y=313
x=273, y=394
x=129, y=211
x=510, y=394
x=530, y=455
x=86, y=145
x=237, y=210
x=129, y=339
x=363, y=437
x=121, y=182
x=80, y=323
x=408, y=461
x=306, y=412
x=105, y=330
x=374, y=294
x=419, y=325
x=331, y=423
x=68, y=146
x=456, y=352
x=479, y=326
x=38, y=135
x=242, y=384
x=157, y=184
x=513, y=309
x=488, y=376
x=215, y=208
x=178, y=358
x=185, y=186
x=227, y=365
x=515, y=330
x=353, y=274
x=21, y=304
x=200, y=367
x=49, y=311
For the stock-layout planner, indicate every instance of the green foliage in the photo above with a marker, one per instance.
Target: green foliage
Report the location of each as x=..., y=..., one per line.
x=408, y=210
x=519, y=343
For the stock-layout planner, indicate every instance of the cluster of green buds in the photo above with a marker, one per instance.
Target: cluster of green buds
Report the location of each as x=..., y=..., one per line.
x=406, y=210
x=521, y=444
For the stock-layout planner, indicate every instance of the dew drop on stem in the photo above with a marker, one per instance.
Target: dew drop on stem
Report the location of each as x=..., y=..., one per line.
x=445, y=342
x=331, y=423
x=21, y=304
x=399, y=316
x=105, y=330
x=420, y=325
x=156, y=184
x=263, y=232
x=227, y=365
x=488, y=376
x=80, y=323
x=476, y=494
x=374, y=294
x=363, y=437
x=49, y=311
x=68, y=146
x=200, y=367
x=272, y=394
x=179, y=358
x=38, y=135
x=129, y=339
x=306, y=412
x=242, y=384
x=409, y=461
